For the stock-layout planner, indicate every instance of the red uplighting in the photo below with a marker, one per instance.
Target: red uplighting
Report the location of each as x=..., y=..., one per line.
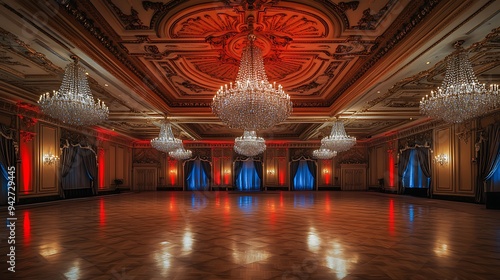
x=327, y=176
x=27, y=228
x=26, y=165
x=101, y=161
x=282, y=178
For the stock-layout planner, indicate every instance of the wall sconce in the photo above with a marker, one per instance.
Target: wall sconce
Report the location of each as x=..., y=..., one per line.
x=50, y=159
x=326, y=171
x=442, y=159
x=271, y=172
x=227, y=171
x=173, y=171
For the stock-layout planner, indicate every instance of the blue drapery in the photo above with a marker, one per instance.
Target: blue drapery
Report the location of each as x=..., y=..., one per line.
x=413, y=176
x=197, y=178
x=303, y=180
x=247, y=176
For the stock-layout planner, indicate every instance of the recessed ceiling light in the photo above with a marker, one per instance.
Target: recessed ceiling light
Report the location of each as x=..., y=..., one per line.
x=411, y=119
x=428, y=62
x=86, y=73
x=378, y=91
x=105, y=85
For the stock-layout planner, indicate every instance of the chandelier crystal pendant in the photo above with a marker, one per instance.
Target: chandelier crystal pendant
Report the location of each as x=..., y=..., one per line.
x=166, y=142
x=461, y=97
x=252, y=103
x=74, y=104
x=249, y=144
x=180, y=154
x=338, y=140
x=324, y=153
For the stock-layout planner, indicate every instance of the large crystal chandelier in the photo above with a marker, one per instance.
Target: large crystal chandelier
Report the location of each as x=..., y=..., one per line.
x=461, y=96
x=338, y=139
x=73, y=103
x=166, y=142
x=249, y=144
x=324, y=153
x=180, y=154
x=252, y=103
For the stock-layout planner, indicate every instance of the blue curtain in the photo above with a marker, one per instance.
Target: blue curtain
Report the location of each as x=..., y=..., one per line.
x=303, y=180
x=197, y=179
x=413, y=175
x=247, y=178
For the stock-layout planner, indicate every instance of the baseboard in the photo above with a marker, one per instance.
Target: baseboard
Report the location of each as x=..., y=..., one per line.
x=469, y=199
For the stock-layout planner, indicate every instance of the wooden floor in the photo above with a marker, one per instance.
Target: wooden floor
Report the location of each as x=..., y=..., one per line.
x=267, y=235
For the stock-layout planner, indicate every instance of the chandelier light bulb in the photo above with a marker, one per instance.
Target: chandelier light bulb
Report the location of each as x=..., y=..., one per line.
x=73, y=103
x=249, y=144
x=180, y=154
x=252, y=103
x=324, y=153
x=166, y=142
x=461, y=97
x=338, y=140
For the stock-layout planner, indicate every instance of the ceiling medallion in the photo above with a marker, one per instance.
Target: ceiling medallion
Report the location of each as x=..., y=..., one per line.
x=73, y=103
x=461, y=97
x=252, y=103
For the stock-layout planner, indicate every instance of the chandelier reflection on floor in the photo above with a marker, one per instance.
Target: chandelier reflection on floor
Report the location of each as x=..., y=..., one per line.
x=74, y=104
x=324, y=153
x=180, y=154
x=252, y=103
x=166, y=142
x=461, y=97
x=249, y=144
x=338, y=140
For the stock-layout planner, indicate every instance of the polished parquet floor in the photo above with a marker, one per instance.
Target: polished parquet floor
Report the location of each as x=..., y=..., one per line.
x=267, y=235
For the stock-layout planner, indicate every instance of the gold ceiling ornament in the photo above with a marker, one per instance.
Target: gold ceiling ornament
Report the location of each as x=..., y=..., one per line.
x=461, y=97
x=252, y=103
x=73, y=103
x=338, y=140
x=249, y=144
x=166, y=142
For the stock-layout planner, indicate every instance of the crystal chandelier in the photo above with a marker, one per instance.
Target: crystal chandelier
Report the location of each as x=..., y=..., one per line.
x=249, y=144
x=180, y=154
x=324, y=153
x=338, y=139
x=166, y=142
x=252, y=103
x=461, y=96
x=74, y=104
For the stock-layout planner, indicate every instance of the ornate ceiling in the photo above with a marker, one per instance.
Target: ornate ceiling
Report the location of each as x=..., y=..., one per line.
x=367, y=62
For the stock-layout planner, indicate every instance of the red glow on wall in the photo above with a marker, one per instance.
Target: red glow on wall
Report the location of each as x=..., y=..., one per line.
x=327, y=176
x=391, y=170
x=27, y=228
x=226, y=178
x=217, y=177
x=101, y=161
x=172, y=167
x=26, y=165
x=102, y=213
x=282, y=178
x=391, y=217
